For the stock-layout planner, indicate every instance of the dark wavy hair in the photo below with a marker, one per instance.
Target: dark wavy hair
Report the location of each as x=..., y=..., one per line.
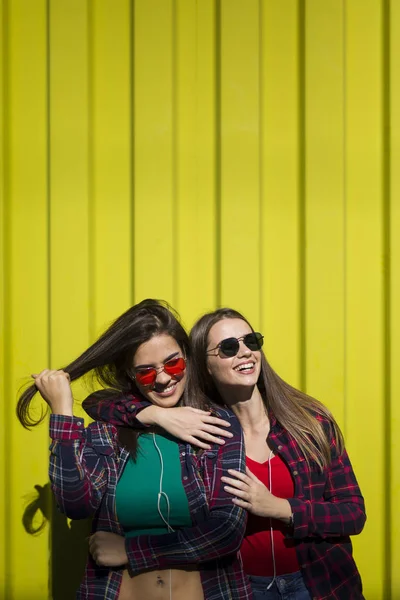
x=294, y=409
x=110, y=359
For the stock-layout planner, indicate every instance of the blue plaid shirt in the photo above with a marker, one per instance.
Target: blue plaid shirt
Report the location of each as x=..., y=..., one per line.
x=85, y=465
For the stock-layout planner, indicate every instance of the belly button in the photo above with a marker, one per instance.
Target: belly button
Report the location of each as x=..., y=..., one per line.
x=160, y=581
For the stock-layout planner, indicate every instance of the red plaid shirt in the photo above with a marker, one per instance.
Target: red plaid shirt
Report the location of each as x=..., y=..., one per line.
x=327, y=506
x=85, y=465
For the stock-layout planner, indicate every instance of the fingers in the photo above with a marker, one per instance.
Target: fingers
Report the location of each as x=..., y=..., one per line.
x=208, y=437
x=217, y=421
x=217, y=431
x=236, y=483
x=48, y=373
x=237, y=493
x=239, y=475
x=241, y=503
x=95, y=547
x=41, y=374
x=198, y=411
x=195, y=442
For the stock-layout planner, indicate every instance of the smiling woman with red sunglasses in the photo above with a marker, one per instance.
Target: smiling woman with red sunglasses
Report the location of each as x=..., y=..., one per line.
x=300, y=490
x=164, y=527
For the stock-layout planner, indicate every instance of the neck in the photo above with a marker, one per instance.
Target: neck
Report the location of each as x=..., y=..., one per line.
x=248, y=406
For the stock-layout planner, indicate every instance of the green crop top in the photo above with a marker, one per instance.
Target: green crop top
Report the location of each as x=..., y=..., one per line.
x=139, y=485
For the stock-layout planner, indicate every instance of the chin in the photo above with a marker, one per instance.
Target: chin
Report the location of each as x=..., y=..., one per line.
x=167, y=403
x=247, y=381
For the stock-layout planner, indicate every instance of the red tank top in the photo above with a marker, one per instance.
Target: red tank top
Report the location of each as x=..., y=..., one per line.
x=256, y=547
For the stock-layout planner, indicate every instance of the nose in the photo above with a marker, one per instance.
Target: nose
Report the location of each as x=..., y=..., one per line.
x=243, y=349
x=162, y=377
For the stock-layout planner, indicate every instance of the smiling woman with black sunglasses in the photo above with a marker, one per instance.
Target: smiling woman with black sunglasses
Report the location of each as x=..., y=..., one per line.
x=164, y=528
x=300, y=489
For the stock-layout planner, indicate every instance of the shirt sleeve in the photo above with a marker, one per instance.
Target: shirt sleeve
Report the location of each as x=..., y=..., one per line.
x=112, y=407
x=220, y=534
x=77, y=470
x=342, y=511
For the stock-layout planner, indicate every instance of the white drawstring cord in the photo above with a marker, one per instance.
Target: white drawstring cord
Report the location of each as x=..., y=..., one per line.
x=270, y=521
x=159, y=496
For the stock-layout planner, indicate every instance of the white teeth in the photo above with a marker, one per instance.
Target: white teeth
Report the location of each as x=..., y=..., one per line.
x=244, y=367
x=168, y=389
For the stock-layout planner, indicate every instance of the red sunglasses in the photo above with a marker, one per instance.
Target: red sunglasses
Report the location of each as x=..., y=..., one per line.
x=148, y=375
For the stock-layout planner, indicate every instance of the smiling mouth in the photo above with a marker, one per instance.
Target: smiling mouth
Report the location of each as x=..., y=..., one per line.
x=168, y=391
x=245, y=369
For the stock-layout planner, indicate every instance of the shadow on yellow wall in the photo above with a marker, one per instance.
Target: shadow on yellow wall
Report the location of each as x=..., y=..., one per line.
x=68, y=542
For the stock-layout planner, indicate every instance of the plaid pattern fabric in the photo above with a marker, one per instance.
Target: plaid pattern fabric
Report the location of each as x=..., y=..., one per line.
x=327, y=506
x=85, y=464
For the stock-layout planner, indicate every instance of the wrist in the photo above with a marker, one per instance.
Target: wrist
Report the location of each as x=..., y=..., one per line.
x=62, y=409
x=63, y=413
x=284, y=511
x=150, y=415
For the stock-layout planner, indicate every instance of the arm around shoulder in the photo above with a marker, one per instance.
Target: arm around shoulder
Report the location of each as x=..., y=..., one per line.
x=220, y=534
x=111, y=406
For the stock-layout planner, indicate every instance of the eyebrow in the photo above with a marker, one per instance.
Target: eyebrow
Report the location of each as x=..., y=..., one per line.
x=164, y=361
x=233, y=337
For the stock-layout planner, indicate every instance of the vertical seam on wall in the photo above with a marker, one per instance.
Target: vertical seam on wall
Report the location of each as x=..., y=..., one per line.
x=344, y=193
x=260, y=164
x=175, y=211
x=48, y=201
x=218, y=200
x=302, y=189
x=91, y=191
x=132, y=147
x=48, y=191
x=386, y=193
x=7, y=303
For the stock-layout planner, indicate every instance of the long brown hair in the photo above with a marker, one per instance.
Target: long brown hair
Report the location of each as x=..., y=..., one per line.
x=110, y=360
x=295, y=410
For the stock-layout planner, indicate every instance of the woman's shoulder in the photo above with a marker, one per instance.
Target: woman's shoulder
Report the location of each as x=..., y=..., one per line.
x=102, y=434
x=222, y=412
x=326, y=420
x=228, y=415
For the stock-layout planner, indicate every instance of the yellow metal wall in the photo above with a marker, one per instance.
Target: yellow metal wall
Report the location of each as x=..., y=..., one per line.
x=235, y=152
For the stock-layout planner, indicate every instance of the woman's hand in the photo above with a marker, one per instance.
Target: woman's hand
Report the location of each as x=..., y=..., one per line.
x=108, y=549
x=55, y=389
x=188, y=424
x=250, y=493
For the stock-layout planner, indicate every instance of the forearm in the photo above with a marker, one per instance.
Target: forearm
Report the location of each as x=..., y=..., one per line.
x=74, y=468
x=218, y=536
x=111, y=407
x=150, y=415
x=326, y=519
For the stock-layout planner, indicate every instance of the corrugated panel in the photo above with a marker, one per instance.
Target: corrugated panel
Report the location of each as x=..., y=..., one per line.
x=392, y=247
x=236, y=152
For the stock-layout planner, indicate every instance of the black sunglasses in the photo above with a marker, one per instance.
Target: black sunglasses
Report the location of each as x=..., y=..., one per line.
x=230, y=346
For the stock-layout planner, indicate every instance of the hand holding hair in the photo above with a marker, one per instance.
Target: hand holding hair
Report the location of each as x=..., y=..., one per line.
x=55, y=389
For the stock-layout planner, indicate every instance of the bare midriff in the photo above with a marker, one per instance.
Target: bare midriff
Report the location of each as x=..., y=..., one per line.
x=177, y=584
